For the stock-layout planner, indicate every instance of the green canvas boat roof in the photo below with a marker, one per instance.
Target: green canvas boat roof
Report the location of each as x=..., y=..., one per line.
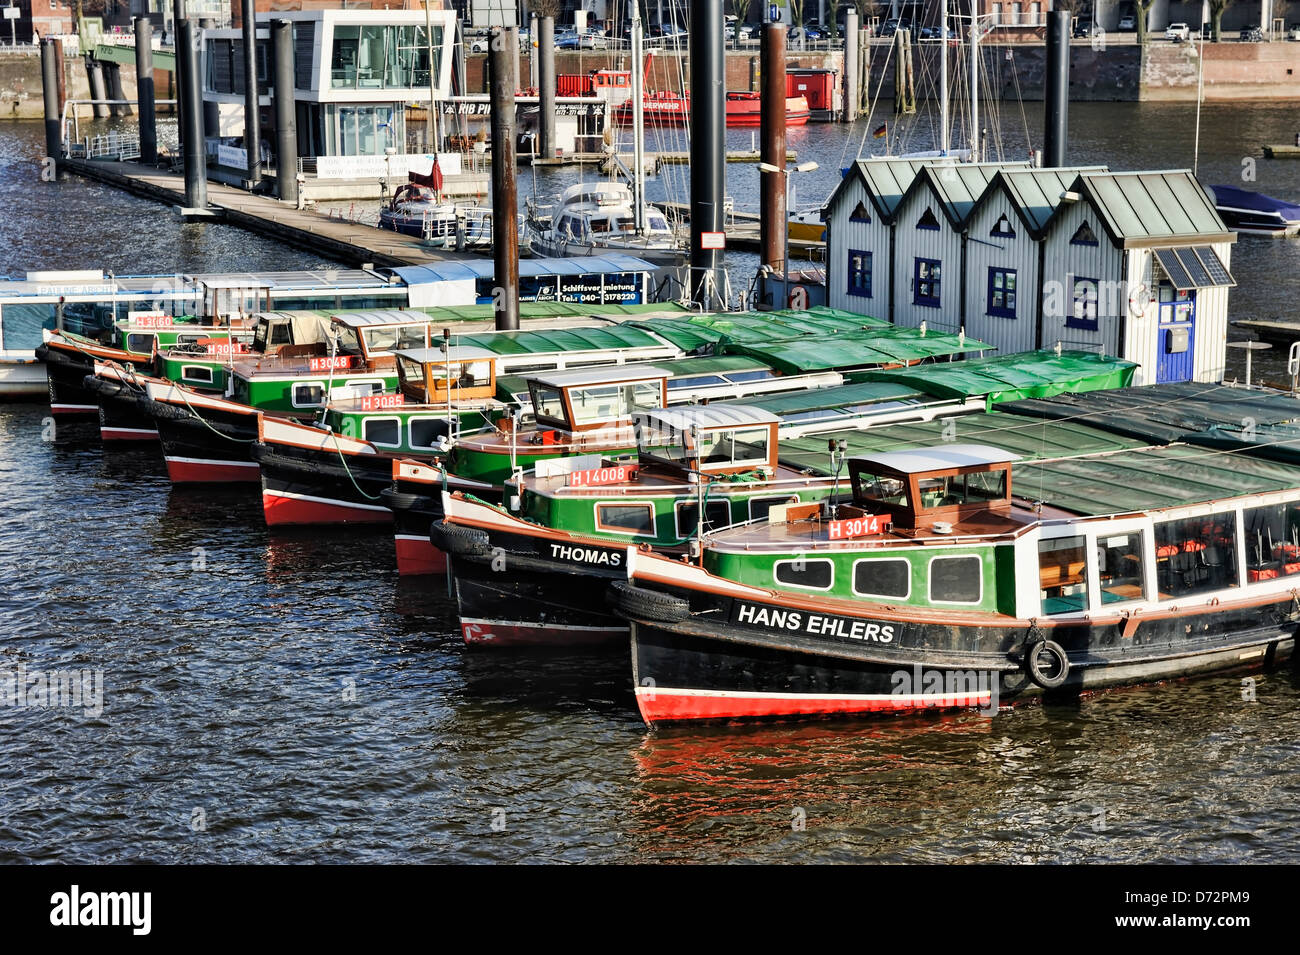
x=538, y=341
x=886, y=346
x=840, y=396
x=746, y=327
x=1160, y=414
x=1149, y=478
x=1039, y=374
x=1025, y=437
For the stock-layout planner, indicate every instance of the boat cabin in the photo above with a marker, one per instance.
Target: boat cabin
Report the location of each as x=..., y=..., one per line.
x=433, y=376
x=590, y=399
x=708, y=439
x=376, y=336
x=933, y=487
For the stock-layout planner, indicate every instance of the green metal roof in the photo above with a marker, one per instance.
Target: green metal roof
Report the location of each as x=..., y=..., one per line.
x=1038, y=374
x=1149, y=478
x=886, y=181
x=1029, y=439
x=886, y=346
x=541, y=341
x=959, y=186
x=1035, y=193
x=1158, y=414
x=1140, y=209
x=692, y=332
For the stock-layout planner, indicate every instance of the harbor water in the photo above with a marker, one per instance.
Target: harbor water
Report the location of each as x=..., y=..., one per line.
x=260, y=697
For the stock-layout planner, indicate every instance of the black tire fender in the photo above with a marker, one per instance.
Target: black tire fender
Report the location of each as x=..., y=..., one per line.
x=458, y=540
x=1047, y=663
x=633, y=601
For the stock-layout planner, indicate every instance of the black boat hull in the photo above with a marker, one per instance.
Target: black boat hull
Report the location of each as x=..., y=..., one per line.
x=123, y=410
x=726, y=658
x=519, y=590
x=306, y=486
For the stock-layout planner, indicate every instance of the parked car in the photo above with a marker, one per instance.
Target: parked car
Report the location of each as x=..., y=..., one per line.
x=478, y=44
x=1293, y=33
x=1127, y=22
x=567, y=40
x=593, y=40
x=811, y=34
x=1178, y=31
x=1082, y=29
x=1252, y=35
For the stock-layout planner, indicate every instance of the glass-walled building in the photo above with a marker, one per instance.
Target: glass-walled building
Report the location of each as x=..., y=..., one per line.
x=354, y=73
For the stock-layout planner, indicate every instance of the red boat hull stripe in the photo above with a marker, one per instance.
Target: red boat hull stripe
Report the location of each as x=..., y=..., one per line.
x=415, y=555
x=662, y=704
x=283, y=509
x=199, y=471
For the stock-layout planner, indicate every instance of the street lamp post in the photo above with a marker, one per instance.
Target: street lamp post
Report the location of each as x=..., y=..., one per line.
x=785, y=248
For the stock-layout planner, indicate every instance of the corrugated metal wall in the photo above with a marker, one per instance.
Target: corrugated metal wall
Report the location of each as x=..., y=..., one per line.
x=985, y=251
x=1063, y=262
x=873, y=237
x=911, y=243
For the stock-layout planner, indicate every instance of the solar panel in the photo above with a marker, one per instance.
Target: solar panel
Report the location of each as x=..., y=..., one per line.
x=1174, y=269
x=1219, y=274
x=1195, y=271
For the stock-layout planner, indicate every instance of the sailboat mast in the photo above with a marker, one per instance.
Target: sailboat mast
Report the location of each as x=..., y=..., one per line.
x=974, y=87
x=944, y=143
x=638, y=126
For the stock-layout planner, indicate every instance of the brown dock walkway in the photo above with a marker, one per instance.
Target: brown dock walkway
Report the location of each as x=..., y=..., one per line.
x=349, y=242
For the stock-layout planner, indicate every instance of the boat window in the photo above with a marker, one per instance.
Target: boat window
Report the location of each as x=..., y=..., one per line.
x=1272, y=541
x=813, y=574
x=603, y=402
x=384, y=431
x=1121, y=567
x=599, y=225
x=189, y=339
x=760, y=506
x=259, y=337
x=280, y=333
x=884, y=577
x=658, y=223
x=758, y=374
x=196, y=373
x=425, y=431
x=469, y=374
x=1195, y=555
x=349, y=342
x=408, y=369
x=309, y=394
x=886, y=489
x=696, y=381
x=956, y=580
x=1063, y=575
x=626, y=518
x=547, y=402
x=726, y=449
x=977, y=487
x=139, y=343
x=716, y=514
x=395, y=338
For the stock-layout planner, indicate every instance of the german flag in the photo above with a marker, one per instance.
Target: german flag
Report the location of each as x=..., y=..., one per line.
x=881, y=130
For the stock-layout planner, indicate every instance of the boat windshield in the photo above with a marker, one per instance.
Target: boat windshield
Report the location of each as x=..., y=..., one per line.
x=601, y=403
x=395, y=337
x=977, y=487
x=469, y=374
x=883, y=489
x=658, y=223
x=349, y=341
x=548, y=403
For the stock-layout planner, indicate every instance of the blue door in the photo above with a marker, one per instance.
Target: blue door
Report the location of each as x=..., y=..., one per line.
x=1176, y=334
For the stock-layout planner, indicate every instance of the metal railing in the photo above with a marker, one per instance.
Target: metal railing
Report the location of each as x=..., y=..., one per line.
x=113, y=145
